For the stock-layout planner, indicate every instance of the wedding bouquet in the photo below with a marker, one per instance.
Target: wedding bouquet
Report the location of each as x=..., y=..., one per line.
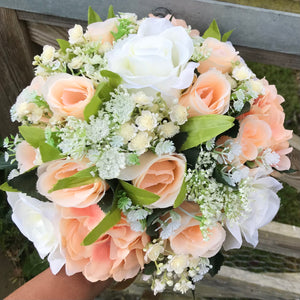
x=144, y=146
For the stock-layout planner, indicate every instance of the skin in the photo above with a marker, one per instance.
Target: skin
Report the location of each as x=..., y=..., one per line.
x=47, y=286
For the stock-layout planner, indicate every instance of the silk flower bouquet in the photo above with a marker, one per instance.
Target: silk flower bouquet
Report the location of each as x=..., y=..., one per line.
x=146, y=147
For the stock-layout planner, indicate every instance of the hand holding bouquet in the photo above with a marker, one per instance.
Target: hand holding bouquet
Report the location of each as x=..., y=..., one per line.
x=144, y=146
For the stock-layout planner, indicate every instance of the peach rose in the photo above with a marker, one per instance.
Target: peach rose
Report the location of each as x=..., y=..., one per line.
x=282, y=150
x=81, y=196
x=102, y=31
x=26, y=156
x=222, y=56
x=254, y=135
x=118, y=253
x=68, y=95
x=188, y=239
x=268, y=109
x=178, y=22
x=210, y=94
x=161, y=175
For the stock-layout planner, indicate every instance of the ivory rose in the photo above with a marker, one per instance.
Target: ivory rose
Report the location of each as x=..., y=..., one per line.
x=68, y=95
x=161, y=175
x=101, y=31
x=188, y=239
x=81, y=196
x=222, y=56
x=118, y=253
x=156, y=57
x=210, y=94
x=27, y=156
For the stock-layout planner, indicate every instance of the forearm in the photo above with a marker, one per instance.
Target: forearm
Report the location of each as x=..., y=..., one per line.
x=47, y=286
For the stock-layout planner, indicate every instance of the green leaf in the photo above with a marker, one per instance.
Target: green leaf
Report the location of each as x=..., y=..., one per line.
x=181, y=196
x=7, y=188
x=114, y=78
x=179, y=140
x=191, y=156
x=6, y=165
x=93, y=17
x=49, y=152
x=233, y=131
x=111, y=219
x=226, y=35
x=203, y=128
x=151, y=221
x=139, y=196
x=216, y=262
x=123, y=29
x=63, y=44
x=102, y=94
x=110, y=13
x=150, y=268
x=212, y=31
x=26, y=183
x=33, y=135
x=81, y=178
x=222, y=177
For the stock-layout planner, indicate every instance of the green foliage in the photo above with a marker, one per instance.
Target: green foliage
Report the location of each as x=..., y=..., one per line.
x=63, y=45
x=226, y=35
x=152, y=219
x=111, y=13
x=123, y=29
x=111, y=219
x=26, y=183
x=49, y=152
x=102, y=93
x=181, y=196
x=203, y=128
x=81, y=178
x=221, y=176
x=150, y=268
x=93, y=17
x=33, y=135
x=191, y=156
x=212, y=31
x=138, y=196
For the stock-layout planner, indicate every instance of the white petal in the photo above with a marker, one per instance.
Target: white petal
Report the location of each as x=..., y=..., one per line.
x=154, y=26
x=56, y=260
x=233, y=236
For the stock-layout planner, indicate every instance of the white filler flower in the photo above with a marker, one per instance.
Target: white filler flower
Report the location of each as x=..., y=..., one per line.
x=39, y=222
x=157, y=57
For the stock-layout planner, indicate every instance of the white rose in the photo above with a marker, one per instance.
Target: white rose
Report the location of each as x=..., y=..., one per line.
x=156, y=57
x=39, y=222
